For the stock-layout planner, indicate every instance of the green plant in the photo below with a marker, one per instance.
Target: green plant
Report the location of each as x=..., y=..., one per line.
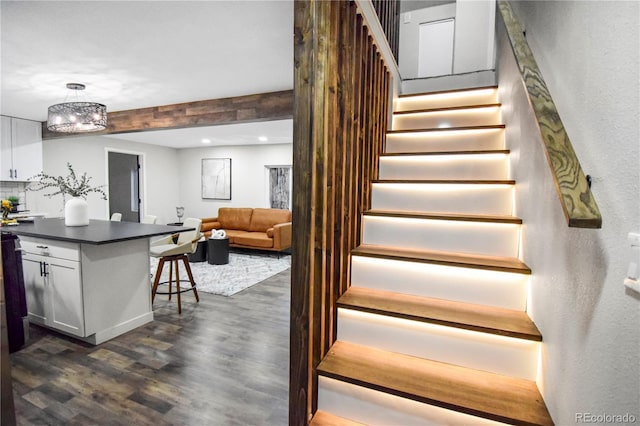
x=67, y=185
x=13, y=199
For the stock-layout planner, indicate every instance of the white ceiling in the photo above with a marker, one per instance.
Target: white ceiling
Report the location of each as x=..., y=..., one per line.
x=134, y=54
x=276, y=132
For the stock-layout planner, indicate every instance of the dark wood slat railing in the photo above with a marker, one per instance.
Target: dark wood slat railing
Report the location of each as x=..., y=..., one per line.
x=578, y=204
x=341, y=108
x=388, y=12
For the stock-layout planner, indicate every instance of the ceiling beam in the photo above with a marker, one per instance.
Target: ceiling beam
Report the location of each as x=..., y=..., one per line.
x=213, y=112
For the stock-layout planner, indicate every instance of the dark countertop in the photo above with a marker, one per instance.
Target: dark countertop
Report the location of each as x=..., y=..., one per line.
x=97, y=232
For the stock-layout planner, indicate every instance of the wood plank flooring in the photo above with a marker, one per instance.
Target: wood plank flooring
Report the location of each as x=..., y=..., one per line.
x=224, y=361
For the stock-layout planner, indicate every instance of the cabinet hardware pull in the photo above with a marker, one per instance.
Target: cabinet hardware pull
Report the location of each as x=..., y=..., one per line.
x=46, y=272
x=11, y=173
x=15, y=173
x=41, y=267
x=42, y=247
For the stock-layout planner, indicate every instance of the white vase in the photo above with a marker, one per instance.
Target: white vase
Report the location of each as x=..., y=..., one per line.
x=76, y=212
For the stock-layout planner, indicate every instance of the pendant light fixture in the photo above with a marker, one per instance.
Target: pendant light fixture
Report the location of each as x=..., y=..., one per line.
x=78, y=116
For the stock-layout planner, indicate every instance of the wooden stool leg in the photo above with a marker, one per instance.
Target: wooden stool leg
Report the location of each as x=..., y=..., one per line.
x=185, y=260
x=170, y=277
x=178, y=287
x=156, y=280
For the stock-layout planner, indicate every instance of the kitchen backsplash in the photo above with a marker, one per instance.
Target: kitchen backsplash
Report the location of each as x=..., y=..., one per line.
x=15, y=189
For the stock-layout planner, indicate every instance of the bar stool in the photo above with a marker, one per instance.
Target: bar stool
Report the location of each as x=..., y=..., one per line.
x=171, y=252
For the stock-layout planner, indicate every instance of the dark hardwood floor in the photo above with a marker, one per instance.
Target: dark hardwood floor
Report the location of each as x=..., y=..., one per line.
x=224, y=361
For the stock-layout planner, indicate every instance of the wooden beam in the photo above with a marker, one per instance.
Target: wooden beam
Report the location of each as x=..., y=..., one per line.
x=213, y=112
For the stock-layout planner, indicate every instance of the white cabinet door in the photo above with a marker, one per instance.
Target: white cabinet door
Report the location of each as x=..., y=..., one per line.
x=65, y=294
x=53, y=290
x=37, y=299
x=436, y=48
x=6, y=161
x=27, y=149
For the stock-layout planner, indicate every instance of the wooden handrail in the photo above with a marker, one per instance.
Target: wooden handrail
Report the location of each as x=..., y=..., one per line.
x=578, y=204
x=341, y=103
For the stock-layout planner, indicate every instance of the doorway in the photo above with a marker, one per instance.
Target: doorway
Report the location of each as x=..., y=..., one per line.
x=435, y=56
x=124, y=185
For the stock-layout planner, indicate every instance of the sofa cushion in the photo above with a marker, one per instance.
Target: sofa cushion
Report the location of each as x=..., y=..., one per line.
x=254, y=239
x=235, y=218
x=232, y=234
x=263, y=219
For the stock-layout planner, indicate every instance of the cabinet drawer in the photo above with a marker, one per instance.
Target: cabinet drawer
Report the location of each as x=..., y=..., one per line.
x=51, y=248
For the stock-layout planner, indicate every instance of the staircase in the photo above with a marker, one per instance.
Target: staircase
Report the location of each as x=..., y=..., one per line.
x=433, y=329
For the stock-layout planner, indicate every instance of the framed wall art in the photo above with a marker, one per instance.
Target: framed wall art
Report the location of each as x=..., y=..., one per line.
x=216, y=178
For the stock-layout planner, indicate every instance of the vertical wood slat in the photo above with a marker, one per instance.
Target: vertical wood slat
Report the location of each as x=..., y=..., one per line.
x=340, y=117
x=301, y=340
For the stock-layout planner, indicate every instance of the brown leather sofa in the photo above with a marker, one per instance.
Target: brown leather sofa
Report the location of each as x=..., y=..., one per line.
x=264, y=229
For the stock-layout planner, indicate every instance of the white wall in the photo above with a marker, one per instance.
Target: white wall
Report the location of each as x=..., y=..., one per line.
x=589, y=54
x=87, y=153
x=248, y=176
x=172, y=175
x=473, y=41
x=474, y=48
x=410, y=33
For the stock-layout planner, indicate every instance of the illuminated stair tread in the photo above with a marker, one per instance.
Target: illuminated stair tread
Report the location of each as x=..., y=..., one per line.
x=445, y=216
x=479, y=393
x=494, y=263
x=322, y=418
x=500, y=321
x=446, y=181
x=455, y=108
x=470, y=90
x=447, y=129
x=434, y=153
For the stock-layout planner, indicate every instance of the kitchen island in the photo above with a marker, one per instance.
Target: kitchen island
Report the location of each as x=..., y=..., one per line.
x=91, y=282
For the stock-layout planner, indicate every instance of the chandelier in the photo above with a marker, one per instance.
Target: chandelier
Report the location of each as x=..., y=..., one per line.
x=77, y=117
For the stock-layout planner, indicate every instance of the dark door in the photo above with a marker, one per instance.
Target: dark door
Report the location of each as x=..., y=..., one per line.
x=124, y=186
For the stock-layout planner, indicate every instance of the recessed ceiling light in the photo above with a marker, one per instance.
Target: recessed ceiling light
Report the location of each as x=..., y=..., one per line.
x=206, y=141
x=263, y=138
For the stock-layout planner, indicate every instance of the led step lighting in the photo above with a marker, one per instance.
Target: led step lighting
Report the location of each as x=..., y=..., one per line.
x=448, y=99
x=443, y=119
x=373, y=407
x=493, y=239
x=492, y=288
x=446, y=140
x=481, y=351
x=489, y=199
x=489, y=166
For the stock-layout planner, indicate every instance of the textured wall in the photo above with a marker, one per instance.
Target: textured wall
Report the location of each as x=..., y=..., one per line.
x=588, y=53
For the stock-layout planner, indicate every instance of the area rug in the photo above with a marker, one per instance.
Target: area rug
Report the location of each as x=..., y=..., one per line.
x=243, y=271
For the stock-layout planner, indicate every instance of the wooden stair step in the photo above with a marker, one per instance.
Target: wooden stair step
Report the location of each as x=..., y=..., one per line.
x=447, y=129
x=322, y=418
x=442, y=92
x=474, y=392
x=467, y=316
x=476, y=261
x=455, y=108
x=435, y=153
x=445, y=216
x=449, y=181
